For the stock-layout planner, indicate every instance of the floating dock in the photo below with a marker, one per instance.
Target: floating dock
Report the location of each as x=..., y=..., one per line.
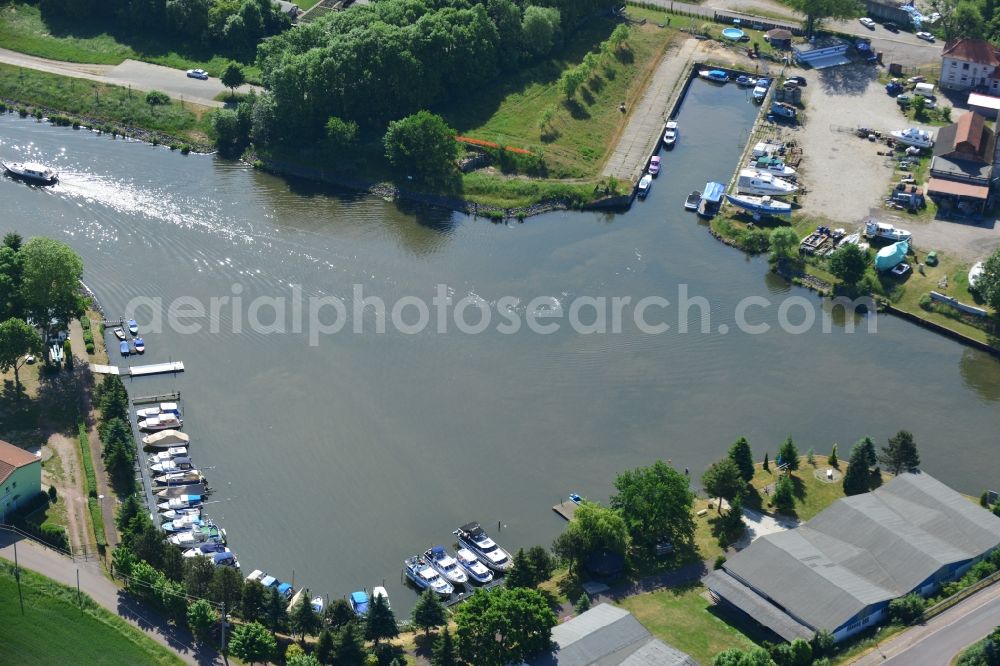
x=155, y=369
x=105, y=369
x=173, y=396
x=566, y=510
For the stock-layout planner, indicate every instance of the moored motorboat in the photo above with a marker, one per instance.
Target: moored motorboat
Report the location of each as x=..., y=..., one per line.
x=379, y=591
x=133, y=327
x=446, y=565
x=140, y=346
x=183, y=523
x=179, y=478
x=670, y=134
x=760, y=90
x=644, y=184
x=169, y=454
x=714, y=75
x=162, y=408
x=180, y=502
x=119, y=332
x=166, y=439
x=180, y=464
x=199, y=534
x=31, y=172
x=914, y=137
x=225, y=559
x=761, y=183
x=654, y=165
x=760, y=205
x=161, y=422
x=692, y=201
x=176, y=514
x=205, y=550
x=185, y=489
x=476, y=570
x=317, y=604
x=885, y=231
x=745, y=81
x=359, y=602
x=123, y=348
x=473, y=537
x=425, y=577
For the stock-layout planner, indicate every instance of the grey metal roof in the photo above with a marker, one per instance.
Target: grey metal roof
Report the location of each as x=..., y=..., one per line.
x=957, y=168
x=607, y=635
x=863, y=550
x=756, y=606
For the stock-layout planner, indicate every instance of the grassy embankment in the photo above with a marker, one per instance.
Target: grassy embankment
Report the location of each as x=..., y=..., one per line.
x=23, y=29
x=112, y=105
x=55, y=630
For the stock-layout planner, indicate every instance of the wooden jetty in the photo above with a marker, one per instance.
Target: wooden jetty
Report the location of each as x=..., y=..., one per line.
x=173, y=396
x=155, y=369
x=105, y=369
x=566, y=509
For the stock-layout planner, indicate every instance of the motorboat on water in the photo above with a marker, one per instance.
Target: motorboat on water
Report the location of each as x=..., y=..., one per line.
x=654, y=165
x=359, y=602
x=424, y=576
x=180, y=502
x=133, y=327
x=225, y=559
x=199, y=534
x=183, y=523
x=644, y=184
x=31, y=172
x=975, y=274
x=692, y=201
x=745, y=81
x=760, y=90
x=162, y=408
x=205, y=550
x=760, y=205
x=714, y=75
x=886, y=231
x=179, y=478
x=169, y=454
x=473, y=537
x=182, y=489
x=181, y=464
x=914, y=137
x=166, y=439
x=140, y=346
x=775, y=166
x=176, y=514
x=670, y=134
x=123, y=348
x=318, y=604
x=446, y=565
x=761, y=183
x=161, y=422
x=119, y=333
x=476, y=570
x=379, y=591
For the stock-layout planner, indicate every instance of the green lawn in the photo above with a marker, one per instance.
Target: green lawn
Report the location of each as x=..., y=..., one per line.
x=54, y=630
x=812, y=494
x=111, y=104
x=23, y=29
x=686, y=620
x=581, y=132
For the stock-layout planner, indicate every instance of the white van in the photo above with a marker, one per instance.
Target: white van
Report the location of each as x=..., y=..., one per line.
x=924, y=90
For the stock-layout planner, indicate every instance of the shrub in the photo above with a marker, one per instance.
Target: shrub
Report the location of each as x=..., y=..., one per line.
x=23, y=112
x=53, y=494
x=174, y=146
x=90, y=348
x=719, y=561
x=185, y=149
x=926, y=302
x=85, y=323
x=157, y=98
x=906, y=609
x=38, y=114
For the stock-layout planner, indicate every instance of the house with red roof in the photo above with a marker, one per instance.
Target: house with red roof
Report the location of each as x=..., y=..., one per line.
x=20, y=478
x=970, y=64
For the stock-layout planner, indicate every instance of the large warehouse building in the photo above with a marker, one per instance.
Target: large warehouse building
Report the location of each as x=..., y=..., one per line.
x=839, y=571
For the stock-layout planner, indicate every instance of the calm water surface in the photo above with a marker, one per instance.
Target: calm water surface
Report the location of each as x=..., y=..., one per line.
x=334, y=462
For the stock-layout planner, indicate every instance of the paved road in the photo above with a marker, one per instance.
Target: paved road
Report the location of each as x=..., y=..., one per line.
x=140, y=75
x=93, y=582
x=938, y=641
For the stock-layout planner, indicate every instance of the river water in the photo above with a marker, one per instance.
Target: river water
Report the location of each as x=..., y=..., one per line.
x=332, y=462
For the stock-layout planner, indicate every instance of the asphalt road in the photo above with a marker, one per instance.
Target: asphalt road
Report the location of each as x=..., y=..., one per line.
x=938, y=641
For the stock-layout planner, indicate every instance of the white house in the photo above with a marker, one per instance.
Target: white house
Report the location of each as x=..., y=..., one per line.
x=970, y=64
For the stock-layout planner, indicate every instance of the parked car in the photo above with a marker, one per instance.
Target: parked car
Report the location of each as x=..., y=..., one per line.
x=197, y=74
x=894, y=87
x=799, y=80
x=890, y=26
x=903, y=100
x=919, y=78
x=926, y=36
x=867, y=22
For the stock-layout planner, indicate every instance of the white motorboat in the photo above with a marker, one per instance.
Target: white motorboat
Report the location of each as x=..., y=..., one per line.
x=180, y=502
x=886, y=231
x=200, y=534
x=379, y=591
x=317, y=603
x=162, y=408
x=446, y=565
x=179, y=478
x=176, y=514
x=182, y=523
x=760, y=205
x=206, y=550
x=133, y=327
x=166, y=439
x=476, y=570
x=670, y=135
x=161, y=422
x=760, y=90
x=644, y=184
x=31, y=172
x=473, y=537
x=762, y=183
x=424, y=576
x=775, y=166
x=914, y=137
x=169, y=454
x=180, y=490
x=174, y=465
x=975, y=274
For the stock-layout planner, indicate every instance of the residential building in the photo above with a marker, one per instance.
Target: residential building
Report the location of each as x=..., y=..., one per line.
x=961, y=172
x=970, y=64
x=839, y=571
x=607, y=635
x=20, y=478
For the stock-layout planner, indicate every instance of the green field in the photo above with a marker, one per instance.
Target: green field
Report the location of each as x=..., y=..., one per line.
x=54, y=630
x=23, y=29
x=110, y=104
x=685, y=619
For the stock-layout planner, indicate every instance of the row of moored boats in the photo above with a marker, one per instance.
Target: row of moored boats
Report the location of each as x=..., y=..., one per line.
x=477, y=561
x=131, y=342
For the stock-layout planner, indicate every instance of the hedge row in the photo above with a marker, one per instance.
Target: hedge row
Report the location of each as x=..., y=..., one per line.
x=88, y=463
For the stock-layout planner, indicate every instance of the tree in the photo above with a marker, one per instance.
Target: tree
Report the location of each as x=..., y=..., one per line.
x=303, y=619
x=822, y=643
x=740, y=454
x=811, y=457
x=349, y=646
x=341, y=134
x=520, y=573
x=50, y=282
x=858, y=477
x=571, y=80
x=723, y=480
x=729, y=526
x=501, y=626
x=252, y=642
x=848, y=264
x=907, y=609
x=988, y=284
x=966, y=21
x=444, y=653
x=766, y=465
x=736, y=657
x=539, y=28
x=17, y=340
x=233, y=77
x=422, y=145
x=784, y=494
x=834, y=462
x=816, y=11
x=300, y=658
x=619, y=36
x=582, y=604
x=788, y=455
x=655, y=502
x=253, y=601
x=198, y=575
x=429, y=612
x=324, y=647
x=784, y=244
x=230, y=137
x=201, y=618
x=11, y=269
x=594, y=529
x=226, y=587
x=900, y=455
x=275, y=610
x=339, y=613
x=541, y=563
x=380, y=623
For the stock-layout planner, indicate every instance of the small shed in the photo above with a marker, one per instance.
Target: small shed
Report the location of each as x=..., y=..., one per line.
x=779, y=38
x=985, y=105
